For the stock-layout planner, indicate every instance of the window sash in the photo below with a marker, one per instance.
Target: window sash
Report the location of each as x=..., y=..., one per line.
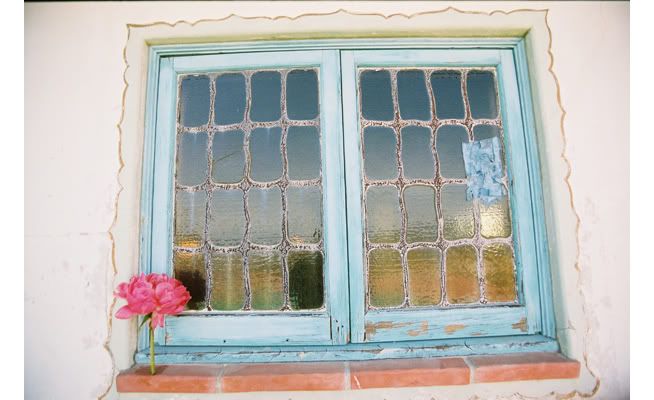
x=240, y=328
x=413, y=324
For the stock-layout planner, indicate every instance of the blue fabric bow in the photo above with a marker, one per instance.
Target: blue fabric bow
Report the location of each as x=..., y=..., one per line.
x=483, y=164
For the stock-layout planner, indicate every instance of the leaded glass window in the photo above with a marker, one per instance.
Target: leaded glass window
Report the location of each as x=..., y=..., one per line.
x=350, y=197
x=248, y=191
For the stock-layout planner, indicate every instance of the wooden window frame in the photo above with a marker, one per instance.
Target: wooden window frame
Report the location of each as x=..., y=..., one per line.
x=340, y=334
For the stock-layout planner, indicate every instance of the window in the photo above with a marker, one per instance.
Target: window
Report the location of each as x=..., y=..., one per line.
x=319, y=200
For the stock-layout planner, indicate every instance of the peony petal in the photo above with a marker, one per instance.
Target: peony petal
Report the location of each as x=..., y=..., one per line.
x=124, y=313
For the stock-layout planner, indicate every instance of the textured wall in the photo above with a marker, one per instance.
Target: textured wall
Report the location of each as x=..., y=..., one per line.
x=74, y=97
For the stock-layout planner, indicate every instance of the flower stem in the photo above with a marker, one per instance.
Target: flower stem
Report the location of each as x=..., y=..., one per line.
x=152, y=370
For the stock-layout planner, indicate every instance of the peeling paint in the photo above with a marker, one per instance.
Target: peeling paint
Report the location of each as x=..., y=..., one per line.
x=424, y=328
x=371, y=328
x=450, y=329
x=521, y=325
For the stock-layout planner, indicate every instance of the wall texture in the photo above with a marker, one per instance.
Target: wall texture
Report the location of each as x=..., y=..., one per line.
x=82, y=149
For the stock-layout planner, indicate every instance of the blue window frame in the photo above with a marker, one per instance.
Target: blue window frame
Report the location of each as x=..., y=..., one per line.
x=346, y=328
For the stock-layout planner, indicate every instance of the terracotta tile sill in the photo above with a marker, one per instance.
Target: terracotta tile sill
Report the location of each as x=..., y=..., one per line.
x=232, y=378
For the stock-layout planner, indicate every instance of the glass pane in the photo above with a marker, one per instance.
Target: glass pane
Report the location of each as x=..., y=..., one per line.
x=304, y=214
x=189, y=269
x=420, y=203
x=376, y=98
x=458, y=220
x=424, y=276
x=482, y=95
x=266, y=280
x=383, y=214
x=495, y=218
x=194, y=101
x=481, y=132
x=417, y=157
x=302, y=94
x=266, y=96
x=228, y=157
x=446, y=86
x=190, y=213
x=380, y=153
x=265, y=207
x=230, y=99
x=413, y=96
x=385, y=278
x=305, y=280
x=192, y=159
x=227, y=290
x=303, y=152
x=227, y=222
x=499, y=272
x=450, y=154
x=462, y=284
x=266, y=154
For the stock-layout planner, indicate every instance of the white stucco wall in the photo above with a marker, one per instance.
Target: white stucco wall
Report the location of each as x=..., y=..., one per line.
x=77, y=247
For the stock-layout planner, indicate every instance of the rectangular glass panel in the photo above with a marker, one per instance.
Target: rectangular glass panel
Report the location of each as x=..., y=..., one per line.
x=190, y=270
x=450, y=156
x=482, y=94
x=446, y=86
x=420, y=204
x=229, y=104
x=266, y=154
x=458, y=219
x=227, y=288
x=499, y=272
x=266, y=96
x=385, y=278
x=495, y=219
x=462, y=283
x=413, y=98
x=303, y=152
x=380, y=152
x=266, y=281
x=190, y=215
x=265, y=206
x=228, y=157
x=227, y=218
x=383, y=214
x=376, y=101
x=304, y=214
x=194, y=100
x=305, y=278
x=424, y=276
x=302, y=94
x=192, y=159
x=417, y=156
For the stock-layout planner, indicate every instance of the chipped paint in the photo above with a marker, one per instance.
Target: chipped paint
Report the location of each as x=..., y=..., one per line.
x=521, y=325
x=371, y=328
x=450, y=329
x=424, y=328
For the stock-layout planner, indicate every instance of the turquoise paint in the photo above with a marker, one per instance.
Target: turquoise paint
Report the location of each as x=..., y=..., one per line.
x=416, y=349
x=341, y=151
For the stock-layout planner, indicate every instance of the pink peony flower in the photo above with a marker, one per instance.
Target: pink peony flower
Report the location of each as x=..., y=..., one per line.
x=155, y=294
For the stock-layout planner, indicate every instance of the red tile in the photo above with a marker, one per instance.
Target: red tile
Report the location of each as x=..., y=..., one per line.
x=409, y=372
x=282, y=377
x=523, y=366
x=169, y=379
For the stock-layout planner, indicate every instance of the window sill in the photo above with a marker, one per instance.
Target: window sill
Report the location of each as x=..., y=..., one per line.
x=231, y=378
